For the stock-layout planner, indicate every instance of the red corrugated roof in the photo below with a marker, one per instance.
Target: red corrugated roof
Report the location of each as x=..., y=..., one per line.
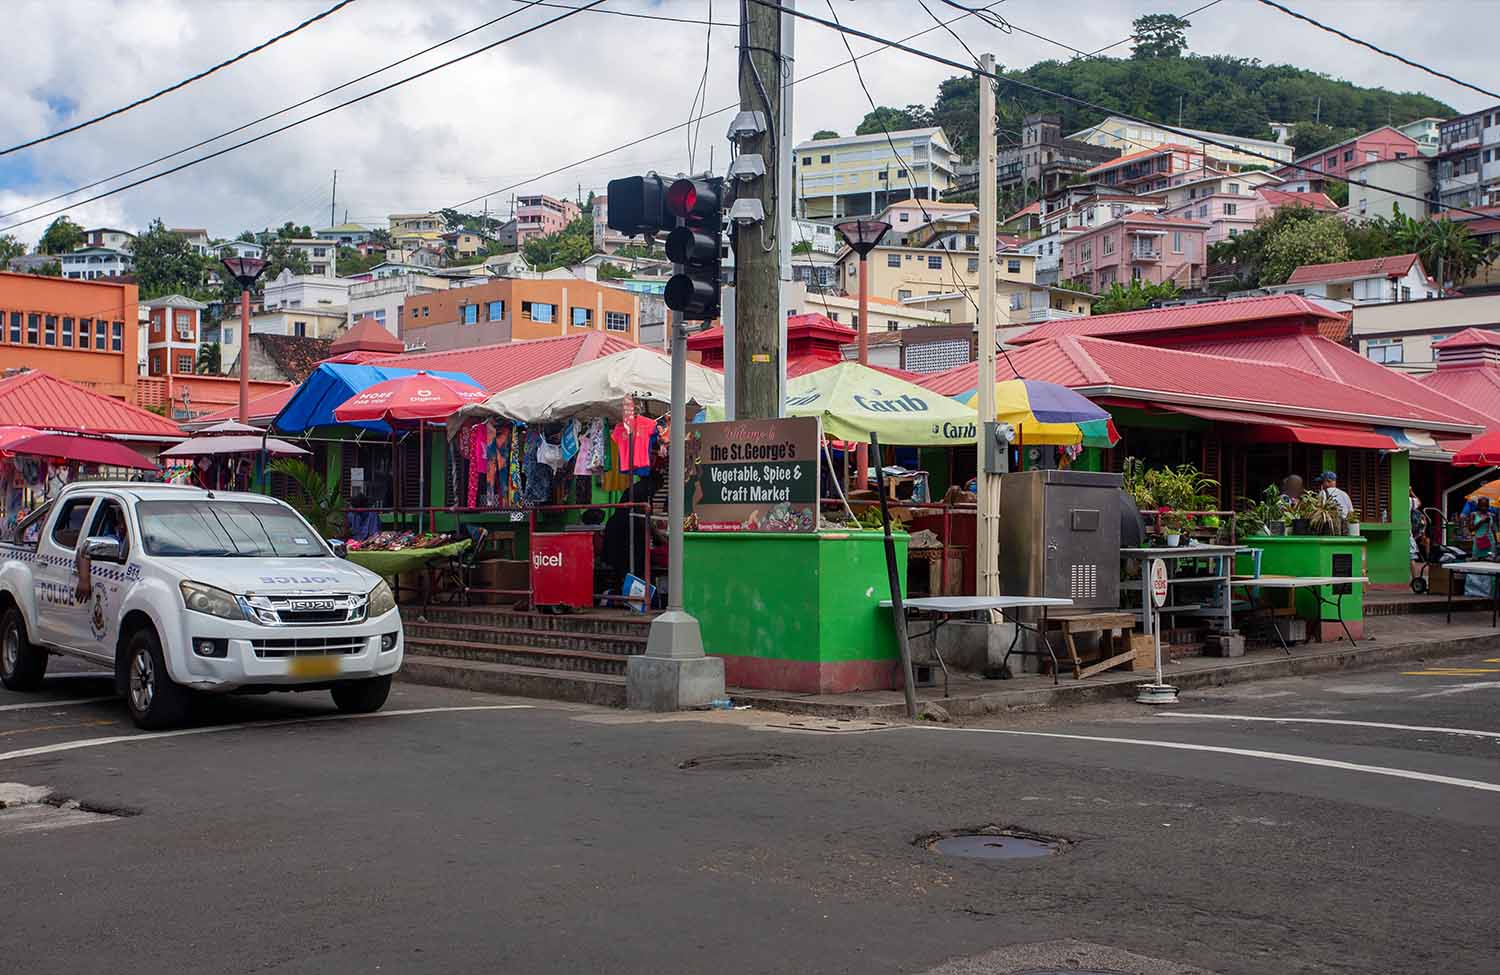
x=1121, y=368
x=1478, y=387
x=261, y=408
x=367, y=335
x=1149, y=320
x=1143, y=153
x=498, y=367
x=1312, y=353
x=1469, y=338
x=1281, y=198
x=1373, y=267
x=36, y=399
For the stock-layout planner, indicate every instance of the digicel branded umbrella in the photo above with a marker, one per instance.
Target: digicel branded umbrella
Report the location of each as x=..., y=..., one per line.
x=412, y=400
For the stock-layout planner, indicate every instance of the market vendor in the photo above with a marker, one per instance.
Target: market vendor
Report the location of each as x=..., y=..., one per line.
x=362, y=524
x=1331, y=489
x=618, y=553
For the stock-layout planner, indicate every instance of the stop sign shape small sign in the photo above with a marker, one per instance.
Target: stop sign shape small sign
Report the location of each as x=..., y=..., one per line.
x=1158, y=576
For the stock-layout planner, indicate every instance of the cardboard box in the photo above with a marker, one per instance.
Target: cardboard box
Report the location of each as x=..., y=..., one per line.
x=1440, y=580
x=511, y=574
x=1145, y=652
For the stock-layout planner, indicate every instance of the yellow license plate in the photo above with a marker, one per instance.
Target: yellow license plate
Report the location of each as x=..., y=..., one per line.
x=314, y=667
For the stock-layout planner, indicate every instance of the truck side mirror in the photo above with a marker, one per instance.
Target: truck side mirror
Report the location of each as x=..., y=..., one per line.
x=340, y=548
x=102, y=548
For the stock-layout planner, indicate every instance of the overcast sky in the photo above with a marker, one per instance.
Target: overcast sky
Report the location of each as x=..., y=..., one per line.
x=493, y=123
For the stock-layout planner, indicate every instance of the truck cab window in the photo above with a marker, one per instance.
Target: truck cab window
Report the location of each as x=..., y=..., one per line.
x=28, y=531
x=110, y=522
x=70, y=522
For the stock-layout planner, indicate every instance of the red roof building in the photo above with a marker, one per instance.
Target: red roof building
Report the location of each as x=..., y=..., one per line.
x=43, y=402
x=1373, y=267
x=367, y=335
x=1276, y=199
x=1158, y=326
x=1468, y=370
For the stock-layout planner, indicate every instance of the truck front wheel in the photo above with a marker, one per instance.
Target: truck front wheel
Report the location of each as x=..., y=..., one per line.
x=361, y=696
x=22, y=665
x=154, y=700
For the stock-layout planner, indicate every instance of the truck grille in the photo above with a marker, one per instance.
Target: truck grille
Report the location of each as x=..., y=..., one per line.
x=307, y=608
x=309, y=646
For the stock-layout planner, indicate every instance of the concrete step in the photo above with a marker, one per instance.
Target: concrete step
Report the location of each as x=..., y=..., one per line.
x=445, y=632
x=605, y=690
x=568, y=661
x=591, y=623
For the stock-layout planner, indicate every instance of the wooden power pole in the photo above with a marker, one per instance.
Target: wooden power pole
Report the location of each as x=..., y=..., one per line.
x=757, y=257
x=988, y=540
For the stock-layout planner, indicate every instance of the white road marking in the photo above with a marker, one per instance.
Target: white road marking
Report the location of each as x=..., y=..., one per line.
x=1398, y=773
x=29, y=705
x=1470, y=732
x=67, y=746
x=1461, y=689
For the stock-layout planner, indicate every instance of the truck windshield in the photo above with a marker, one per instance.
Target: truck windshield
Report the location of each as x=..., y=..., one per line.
x=221, y=529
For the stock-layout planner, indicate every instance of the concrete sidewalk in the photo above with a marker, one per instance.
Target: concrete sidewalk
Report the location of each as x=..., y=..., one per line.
x=1390, y=639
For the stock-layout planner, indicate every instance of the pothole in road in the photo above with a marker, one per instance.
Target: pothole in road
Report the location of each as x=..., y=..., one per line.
x=31, y=809
x=994, y=843
x=736, y=761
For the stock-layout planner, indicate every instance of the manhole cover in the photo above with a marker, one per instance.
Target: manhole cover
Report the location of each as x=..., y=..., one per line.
x=1072, y=971
x=737, y=761
x=995, y=843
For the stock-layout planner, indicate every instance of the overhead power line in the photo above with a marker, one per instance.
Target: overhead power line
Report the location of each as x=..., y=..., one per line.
x=181, y=84
x=281, y=111
x=720, y=111
x=1127, y=40
x=266, y=135
x=710, y=22
x=1197, y=137
x=1379, y=50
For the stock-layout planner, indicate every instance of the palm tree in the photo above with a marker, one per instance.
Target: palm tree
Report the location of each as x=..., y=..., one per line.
x=318, y=499
x=1449, y=248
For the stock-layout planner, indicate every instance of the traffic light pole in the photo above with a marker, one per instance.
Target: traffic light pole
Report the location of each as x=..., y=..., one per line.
x=674, y=673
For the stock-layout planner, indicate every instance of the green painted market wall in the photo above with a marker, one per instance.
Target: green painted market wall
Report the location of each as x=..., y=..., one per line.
x=1310, y=555
x=795, y=612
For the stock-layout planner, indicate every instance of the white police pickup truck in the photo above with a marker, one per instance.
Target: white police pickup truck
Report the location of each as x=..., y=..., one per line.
x=180, y=589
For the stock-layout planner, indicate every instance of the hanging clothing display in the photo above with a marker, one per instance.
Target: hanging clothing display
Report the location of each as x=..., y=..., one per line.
x=516, y=457
x=612, y=478
x=592, y=455
x=570, y=440
x=537, y=483
x=633, y=441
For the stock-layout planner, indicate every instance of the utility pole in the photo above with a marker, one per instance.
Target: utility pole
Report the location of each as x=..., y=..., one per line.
x=757, y=258
x=334, y=202
x=987, y=485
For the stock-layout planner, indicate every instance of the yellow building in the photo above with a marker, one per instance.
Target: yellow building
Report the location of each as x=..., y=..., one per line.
x=1130, y=136
x=947, y=282
x=861, y=174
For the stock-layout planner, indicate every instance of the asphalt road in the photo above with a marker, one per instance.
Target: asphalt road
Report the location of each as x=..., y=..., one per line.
x=481, y=834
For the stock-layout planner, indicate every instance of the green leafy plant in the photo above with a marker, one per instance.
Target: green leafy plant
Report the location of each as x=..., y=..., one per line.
x=1321, y=512
x=317, y=499
x=1255, y=515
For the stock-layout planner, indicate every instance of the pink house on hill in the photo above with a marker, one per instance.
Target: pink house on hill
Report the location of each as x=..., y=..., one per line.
x=1141, y=246
x=1336, y=161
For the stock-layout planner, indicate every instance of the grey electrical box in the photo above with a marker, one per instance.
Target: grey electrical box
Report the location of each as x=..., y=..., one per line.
x=997, y=447
x=1060, y=536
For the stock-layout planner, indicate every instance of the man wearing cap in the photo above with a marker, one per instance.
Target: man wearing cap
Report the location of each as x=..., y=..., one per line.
x=1330, y=481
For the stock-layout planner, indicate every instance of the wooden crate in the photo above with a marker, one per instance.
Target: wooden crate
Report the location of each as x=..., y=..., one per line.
x=1145, y=652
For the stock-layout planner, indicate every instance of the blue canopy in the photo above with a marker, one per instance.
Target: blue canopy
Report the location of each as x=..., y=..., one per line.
x=331, y=384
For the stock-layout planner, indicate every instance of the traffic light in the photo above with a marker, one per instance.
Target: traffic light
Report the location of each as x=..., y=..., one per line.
x=637, y=205
x=697, y=206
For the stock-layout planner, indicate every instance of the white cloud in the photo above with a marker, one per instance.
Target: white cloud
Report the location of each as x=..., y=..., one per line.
x=589, y=83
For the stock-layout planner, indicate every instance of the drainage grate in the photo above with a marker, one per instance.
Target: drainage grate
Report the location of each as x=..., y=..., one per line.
x=994, y=843
x=737, y=761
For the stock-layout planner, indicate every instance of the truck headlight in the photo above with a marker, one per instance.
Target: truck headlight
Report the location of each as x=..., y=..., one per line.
x=381, y=601
x=214, y=602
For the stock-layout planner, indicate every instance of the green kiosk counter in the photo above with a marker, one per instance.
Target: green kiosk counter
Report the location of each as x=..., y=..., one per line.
x=795, y=612
x=1316, y=555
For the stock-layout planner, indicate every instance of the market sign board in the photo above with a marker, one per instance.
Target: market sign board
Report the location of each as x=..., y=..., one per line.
x=753, y=475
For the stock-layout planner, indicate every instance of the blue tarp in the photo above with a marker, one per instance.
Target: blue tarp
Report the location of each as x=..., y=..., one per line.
x=330, y=385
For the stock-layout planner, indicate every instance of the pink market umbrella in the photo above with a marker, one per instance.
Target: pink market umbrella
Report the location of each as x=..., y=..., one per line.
x=418, y=398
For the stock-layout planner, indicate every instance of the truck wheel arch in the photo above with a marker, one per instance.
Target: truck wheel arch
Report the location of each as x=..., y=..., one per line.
x=134, y=621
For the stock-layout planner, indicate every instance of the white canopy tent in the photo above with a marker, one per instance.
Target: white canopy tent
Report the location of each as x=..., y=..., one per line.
x=598, y=389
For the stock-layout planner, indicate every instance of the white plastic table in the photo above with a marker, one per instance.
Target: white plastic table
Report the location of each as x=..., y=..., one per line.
x=944, y=608
x=1303, y=582
x=1475, y=569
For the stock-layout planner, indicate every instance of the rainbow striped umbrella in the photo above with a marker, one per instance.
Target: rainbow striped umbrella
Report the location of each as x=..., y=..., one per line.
x=1047, y=413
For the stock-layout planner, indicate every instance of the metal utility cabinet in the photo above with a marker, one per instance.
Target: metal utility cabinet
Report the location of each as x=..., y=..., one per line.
x=1060, y=536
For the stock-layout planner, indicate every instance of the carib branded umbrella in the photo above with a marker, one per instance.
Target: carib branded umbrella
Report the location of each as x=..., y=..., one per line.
x=1048, y=413
x=855, y=401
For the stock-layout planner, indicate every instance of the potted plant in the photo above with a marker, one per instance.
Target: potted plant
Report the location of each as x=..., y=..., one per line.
x=1321, y=513
x=1264, y=517
x=1176, y=523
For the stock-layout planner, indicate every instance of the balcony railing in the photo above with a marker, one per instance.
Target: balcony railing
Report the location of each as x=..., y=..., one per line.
x=1145, y=254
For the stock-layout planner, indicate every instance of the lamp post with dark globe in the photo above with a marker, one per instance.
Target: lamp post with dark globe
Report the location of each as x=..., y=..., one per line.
x=244, y=270
x=863, y=236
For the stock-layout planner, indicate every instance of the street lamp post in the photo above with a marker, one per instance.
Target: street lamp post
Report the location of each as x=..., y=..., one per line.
x=244, y=270
x=863, y=236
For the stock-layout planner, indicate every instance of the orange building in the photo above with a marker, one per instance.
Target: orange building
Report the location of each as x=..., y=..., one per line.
x=83, y=331
x=518, y=308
